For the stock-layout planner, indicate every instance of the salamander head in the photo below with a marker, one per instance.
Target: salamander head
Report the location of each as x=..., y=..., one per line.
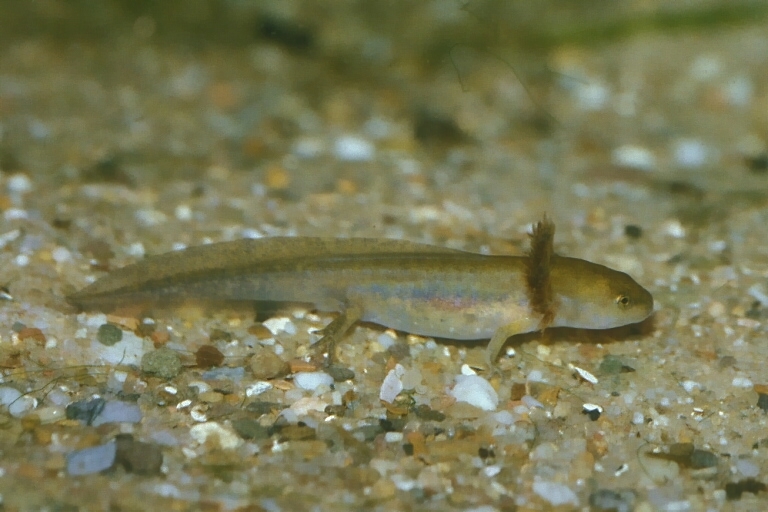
x=592, y=296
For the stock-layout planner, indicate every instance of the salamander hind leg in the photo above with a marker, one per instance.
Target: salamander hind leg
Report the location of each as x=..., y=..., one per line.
x=335, y=331
x=499, y=339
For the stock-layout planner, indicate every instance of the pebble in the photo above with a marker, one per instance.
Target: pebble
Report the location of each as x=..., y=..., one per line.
x=118, y=412
x=91, y=460
x=18, y=184
x=248, y=428
x=227, y=439
x=61, y=255
x=280, y=324
x=138, y=457
x=310, y=381
x=257, y=388
x=392, y=385
x=614, y=501
x=208, y=356
x=351, y=148
x=18, y=404
x=340, y=373
x=635, y=157
x=475, y=391
x=164, y=363
x=109, y=334
x=50, y=414
x=555, y=493
x=747, y=468
x=303, y=406
x=690, y=153
x=224, y=373
x=85, y=410
x=741, y=382
x=266, y=365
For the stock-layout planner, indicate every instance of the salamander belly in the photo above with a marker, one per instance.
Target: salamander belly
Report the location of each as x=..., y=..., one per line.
x=435, y=312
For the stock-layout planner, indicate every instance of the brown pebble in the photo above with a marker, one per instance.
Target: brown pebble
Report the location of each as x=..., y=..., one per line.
x=138, y=457
x=347, y=187
x=160, y=338
x=518, y=391
x=268, y=365
x=549, y=396
x=210, y=397
x=297, y=433
x=277, y=178
x=208, y=356
x=220, y=335
x=125, y=323
x=416, y=439
x=32, y=333
x=260, y=331
x=299, y=365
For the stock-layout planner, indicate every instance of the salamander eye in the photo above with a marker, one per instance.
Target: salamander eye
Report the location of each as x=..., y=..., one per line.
x=623, y=301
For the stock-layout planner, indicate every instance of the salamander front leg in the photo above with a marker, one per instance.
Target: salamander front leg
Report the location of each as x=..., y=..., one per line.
x=499, y=339
x=335, y=331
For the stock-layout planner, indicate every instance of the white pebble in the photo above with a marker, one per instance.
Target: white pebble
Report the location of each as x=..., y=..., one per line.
x=18, y=404
x=393, y=437
x=592, y=95
x=741, y=382
x=257, y=388
x=467, y=370
x=61, y=255
x=386, y=340
x=555, y=493
x=305, y=405
x=91, y=460
x=705, y=67
x=308, y=147
x=475, y=391
x=691, y=153
x=15, y=214
x=136, y=250
x=312, y=380
x=19, y=184
x=148, y=217
x=636, y=157
x=201, y=432
x=690, y=385
x=280, y=324
x=505, y=418
x=674, y=229
x=392, y=385
x=739, y=91
x=638, y=418
x=202, y=386
x=183, y=212
x=747, y=468
x=584, y=374
x=351, y=148
x=535, y=376
x=757, y=293
x=8, y=395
